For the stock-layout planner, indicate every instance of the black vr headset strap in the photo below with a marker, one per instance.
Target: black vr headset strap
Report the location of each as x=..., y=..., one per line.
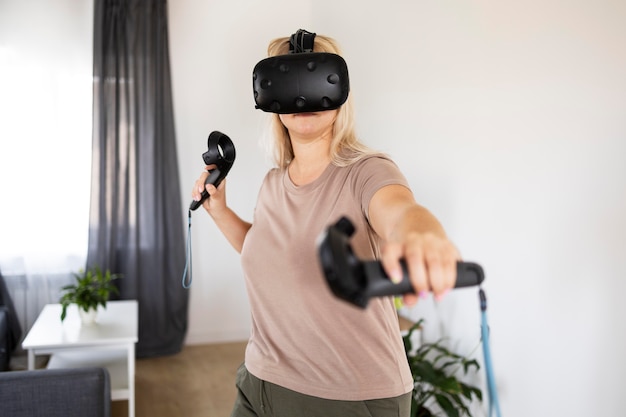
x=301, y=41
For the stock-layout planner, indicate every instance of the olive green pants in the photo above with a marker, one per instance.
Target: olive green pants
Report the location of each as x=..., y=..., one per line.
x=257, y=398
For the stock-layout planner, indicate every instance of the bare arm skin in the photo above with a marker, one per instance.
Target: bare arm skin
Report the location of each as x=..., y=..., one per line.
x=410, y=231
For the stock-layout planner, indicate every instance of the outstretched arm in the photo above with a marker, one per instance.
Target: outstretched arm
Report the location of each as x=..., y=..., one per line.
x=411, y=232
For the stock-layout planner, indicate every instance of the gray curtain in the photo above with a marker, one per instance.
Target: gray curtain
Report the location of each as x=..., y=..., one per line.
x=136, y=217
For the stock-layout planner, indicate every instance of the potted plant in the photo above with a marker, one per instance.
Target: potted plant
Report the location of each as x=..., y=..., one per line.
x=434, y=382
x=91, y=289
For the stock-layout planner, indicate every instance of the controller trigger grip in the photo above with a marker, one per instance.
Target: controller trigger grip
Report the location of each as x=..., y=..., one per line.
x=356, y=281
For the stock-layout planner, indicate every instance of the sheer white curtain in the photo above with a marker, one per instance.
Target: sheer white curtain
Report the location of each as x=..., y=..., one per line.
x=45, y=147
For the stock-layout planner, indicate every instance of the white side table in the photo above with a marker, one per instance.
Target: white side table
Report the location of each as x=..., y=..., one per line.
x=109, y=343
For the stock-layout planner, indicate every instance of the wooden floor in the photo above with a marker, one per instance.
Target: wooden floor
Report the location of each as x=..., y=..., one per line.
x=197, y=382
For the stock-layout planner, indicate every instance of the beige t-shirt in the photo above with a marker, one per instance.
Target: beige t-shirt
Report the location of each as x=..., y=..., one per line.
x=304, y=338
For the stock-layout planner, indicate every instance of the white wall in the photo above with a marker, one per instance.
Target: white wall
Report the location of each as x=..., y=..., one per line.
x=214, y=46
x=508, y=120
x=45, y=110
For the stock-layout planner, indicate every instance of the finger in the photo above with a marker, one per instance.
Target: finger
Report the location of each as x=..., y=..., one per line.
x=417, y=271
x=447, y=260
x=217, y=195
x=436, y=276
x=449, y=272
x=390, y=260
x=409, y=300
x=199, y=186
x=210, y=188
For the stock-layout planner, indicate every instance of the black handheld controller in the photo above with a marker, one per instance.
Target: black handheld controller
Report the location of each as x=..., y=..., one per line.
x=221, y=153
x=356, y=281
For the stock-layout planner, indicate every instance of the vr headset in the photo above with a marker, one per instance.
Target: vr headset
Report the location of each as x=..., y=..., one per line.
x=301, y=81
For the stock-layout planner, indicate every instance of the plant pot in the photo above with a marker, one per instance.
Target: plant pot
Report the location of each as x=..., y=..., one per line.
x=88, y=318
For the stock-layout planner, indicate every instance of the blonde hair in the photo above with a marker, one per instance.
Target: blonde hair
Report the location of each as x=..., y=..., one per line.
x=345, y=147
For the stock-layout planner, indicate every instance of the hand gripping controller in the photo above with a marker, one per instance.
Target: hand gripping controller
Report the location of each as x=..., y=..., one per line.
x=356, y=281
x=221, y=152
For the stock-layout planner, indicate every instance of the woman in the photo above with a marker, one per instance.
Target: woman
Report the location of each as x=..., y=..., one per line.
x=309, y=353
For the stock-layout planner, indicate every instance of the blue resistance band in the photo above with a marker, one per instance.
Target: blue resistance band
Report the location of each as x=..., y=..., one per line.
x=494, y=404
x=187, y=271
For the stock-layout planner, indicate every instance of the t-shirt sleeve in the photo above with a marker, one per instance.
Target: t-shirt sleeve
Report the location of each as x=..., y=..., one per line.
x=372, y=174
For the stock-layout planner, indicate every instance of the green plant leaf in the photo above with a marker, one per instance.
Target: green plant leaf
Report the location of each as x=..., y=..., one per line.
x=468, y=391
x=451, y=385
x=92, y=288
x=423, y=412
x=446, y=405
x=425, y=371
x=433, y=367
x=468, y=364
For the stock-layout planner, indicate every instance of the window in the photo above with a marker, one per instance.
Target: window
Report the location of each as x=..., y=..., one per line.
x=45, y=145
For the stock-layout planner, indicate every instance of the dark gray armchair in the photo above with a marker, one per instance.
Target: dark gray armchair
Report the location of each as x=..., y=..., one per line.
x=10, y=329
x=78, y=392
